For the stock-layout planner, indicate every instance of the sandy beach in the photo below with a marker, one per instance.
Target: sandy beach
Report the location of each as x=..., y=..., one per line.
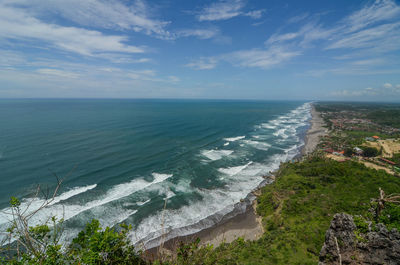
x=247, y=225
x=316, y=131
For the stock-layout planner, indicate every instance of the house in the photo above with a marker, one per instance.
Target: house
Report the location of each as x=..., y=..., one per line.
x=369, y=139
x=375, y=137
x=387, y=161
x=358, y=150
x=329, y=150
x=337, y=153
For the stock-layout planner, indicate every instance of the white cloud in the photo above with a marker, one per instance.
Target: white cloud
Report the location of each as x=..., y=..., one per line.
x=386, y=91
x=387, y=85
x=199, y=33
x=380, y=10
x=57, y=73
x=298, y=18
x=174, y=79
x=369, y=62
x=109, y=14
x=122, y=58
x=221, y=10
x=382, y=38
x=93, y=83
x=225, y=9
x=255, y=14
x=374, y=29
x=262, y=58
x=282, y=37
x=17, y=24
x=203, y=63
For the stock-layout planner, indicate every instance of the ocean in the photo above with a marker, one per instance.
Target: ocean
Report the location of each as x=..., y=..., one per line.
x=164, y=166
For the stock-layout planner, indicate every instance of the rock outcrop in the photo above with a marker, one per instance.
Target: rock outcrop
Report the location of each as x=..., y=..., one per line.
x=378, y=246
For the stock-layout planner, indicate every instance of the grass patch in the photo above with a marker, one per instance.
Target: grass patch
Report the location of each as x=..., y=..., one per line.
x=297, y=210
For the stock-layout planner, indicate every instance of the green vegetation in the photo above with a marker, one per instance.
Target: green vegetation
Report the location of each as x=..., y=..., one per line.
x=370, y=151
x=40, y=244
x=396, y=159
x=361, y=134
x=389, y=117
x=297, y=210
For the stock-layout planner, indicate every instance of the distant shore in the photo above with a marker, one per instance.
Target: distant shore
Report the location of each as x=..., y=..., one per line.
x=314, y=133
x=247, y=225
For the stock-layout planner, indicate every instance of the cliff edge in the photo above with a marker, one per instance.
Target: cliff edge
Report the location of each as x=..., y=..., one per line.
x=345, y=245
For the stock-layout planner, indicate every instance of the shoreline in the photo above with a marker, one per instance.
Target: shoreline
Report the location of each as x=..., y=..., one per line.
x=248, y=224
x=314, y=133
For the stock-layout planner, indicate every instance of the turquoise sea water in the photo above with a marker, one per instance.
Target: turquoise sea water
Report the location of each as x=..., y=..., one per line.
x=122, y=159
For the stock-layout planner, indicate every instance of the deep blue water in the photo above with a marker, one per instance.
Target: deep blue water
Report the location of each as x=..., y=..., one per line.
x=121, y=159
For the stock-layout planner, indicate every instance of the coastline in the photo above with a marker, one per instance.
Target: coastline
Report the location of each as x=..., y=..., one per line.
x=248, y=224
x=314, y=133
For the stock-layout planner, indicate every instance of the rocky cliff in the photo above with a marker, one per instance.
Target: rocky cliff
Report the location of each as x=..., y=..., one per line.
x=345, y=245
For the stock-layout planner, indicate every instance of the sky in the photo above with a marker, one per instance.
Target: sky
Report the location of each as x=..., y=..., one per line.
x=237, y=49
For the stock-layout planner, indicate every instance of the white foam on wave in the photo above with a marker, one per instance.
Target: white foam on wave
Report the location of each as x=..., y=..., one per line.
x=226, y=144
x=285, y=126
x=160, y=177
x=233, y=139
x=234, y=170
x=258, y=145
x=240, y=180
x=215, y=204
x=281, y=133
x=143, y=203
x=30, y=205
x=216, y=154
x=268, y=126
x=71, y=193
x=67, y=211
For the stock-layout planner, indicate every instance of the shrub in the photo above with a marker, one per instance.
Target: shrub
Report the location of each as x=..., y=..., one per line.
x=370, y=151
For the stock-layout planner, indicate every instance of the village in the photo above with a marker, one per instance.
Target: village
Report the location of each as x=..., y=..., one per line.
x=355, y=137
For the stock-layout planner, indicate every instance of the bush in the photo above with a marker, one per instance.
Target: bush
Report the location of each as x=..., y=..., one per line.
x=370, y=151
x=40, y=244
x=348, y=152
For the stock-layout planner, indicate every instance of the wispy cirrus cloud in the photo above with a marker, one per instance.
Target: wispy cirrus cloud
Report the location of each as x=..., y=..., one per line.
x=224, y=10
x=374, y=26
x=374, y=29
x=57, y=73
x=17, y=24
x=379, y=11
x=101, y=14
x=381, y=38
x=203, y=63
x=198, y=33
x=261, y=58
x=386, y=90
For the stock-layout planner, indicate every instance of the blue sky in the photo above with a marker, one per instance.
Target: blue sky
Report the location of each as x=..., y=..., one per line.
x=238, y=49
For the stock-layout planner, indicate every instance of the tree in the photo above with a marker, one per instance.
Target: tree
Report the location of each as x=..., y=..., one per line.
x=370, y=151
x=40, y=244
x=348, y=152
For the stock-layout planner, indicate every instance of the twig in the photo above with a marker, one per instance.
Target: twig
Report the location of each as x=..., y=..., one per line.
x=338, y=250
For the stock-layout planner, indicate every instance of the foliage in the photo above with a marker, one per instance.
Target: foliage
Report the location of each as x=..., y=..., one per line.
x=361, y=224
x=40, y=244
x=348, y=152
x=389, y=117
x=297, y=210
x=370, y=151
x=390, y=216
x=96, y=246
x=396, y=159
